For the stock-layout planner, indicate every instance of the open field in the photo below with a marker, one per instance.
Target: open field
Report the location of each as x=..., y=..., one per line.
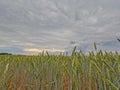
x=60, y=72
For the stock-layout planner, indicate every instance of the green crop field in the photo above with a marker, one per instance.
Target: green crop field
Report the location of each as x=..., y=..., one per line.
x=96, y=71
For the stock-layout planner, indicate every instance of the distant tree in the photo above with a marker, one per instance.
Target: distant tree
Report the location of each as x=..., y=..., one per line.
x=118, y=39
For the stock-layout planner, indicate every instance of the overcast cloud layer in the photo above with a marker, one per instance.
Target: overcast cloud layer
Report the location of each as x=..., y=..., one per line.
x=59, y=24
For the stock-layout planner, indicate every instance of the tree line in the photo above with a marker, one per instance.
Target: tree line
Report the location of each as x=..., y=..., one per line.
x=5, y=54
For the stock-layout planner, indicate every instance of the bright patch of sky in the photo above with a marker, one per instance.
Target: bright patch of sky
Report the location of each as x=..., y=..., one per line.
x=29, y=26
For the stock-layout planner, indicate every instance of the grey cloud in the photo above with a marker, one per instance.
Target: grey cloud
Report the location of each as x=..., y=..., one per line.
x=13, y=50
x=55, y=24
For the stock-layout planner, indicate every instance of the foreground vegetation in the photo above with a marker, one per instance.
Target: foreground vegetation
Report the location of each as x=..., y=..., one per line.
x=96, y=71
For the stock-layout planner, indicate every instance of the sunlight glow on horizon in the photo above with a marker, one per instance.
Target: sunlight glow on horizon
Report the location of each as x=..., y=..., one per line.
x=41, y=50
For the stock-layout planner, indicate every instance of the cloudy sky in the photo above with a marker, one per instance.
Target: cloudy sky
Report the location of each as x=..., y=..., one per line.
x=29, y=26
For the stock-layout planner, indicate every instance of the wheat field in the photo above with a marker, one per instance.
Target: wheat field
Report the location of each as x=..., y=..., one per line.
x=96, y=71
